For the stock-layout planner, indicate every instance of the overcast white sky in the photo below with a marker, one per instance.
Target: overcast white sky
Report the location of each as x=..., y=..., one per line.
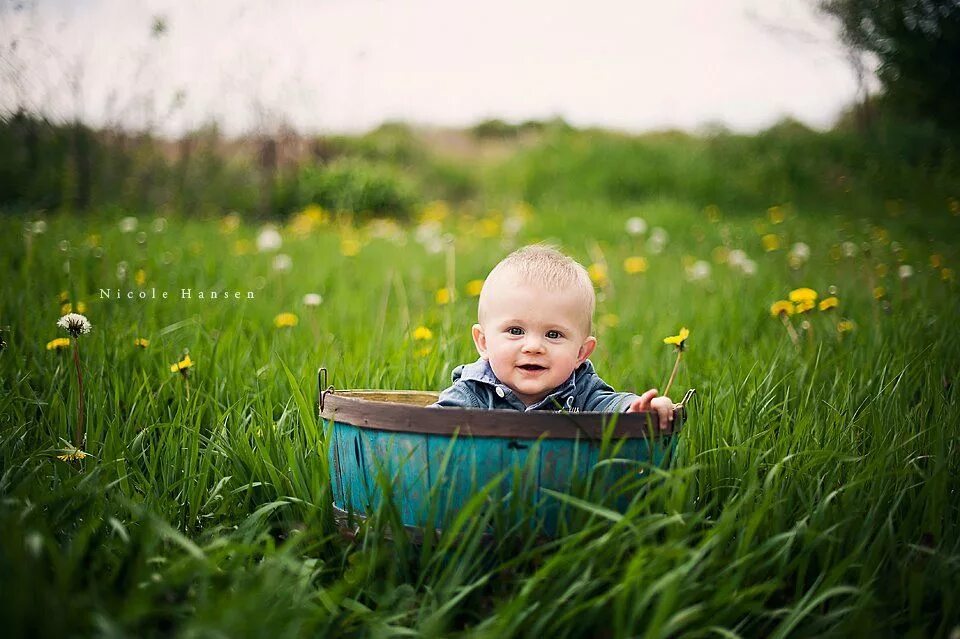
x=348, y=65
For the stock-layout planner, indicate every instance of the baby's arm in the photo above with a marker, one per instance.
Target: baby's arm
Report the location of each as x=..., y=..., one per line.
x=650, y=402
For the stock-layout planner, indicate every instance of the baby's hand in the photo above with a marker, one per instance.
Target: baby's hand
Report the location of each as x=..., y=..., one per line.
x=650, y=402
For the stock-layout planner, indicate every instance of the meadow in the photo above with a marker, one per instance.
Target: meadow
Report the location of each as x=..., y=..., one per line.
x=814, y=490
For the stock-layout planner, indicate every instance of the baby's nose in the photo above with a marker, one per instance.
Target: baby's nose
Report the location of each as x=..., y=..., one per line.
x=532, y=344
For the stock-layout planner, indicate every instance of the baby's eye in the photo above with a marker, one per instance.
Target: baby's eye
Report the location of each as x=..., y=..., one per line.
x=515, y=330
x=554, y=334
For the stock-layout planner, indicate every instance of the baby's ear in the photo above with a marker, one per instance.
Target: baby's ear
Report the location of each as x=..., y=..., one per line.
x=480, y=340
x=586, y=349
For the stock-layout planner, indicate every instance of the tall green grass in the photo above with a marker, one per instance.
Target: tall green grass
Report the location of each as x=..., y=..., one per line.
x=814, y=491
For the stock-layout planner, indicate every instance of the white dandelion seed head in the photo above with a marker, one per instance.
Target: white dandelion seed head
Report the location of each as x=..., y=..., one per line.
x=75, y=324
x=39, y=227
x=128, y=224
x=282, y=262
x=801, y=251
x=159, y=225
x=748, y=267
x=513, y=224
x=312, y=299
x=849, y=249
x=737, y=258
x=636, y=226
x=428, y=232
x=905, y=271
x=699, y=270
x=269, y=239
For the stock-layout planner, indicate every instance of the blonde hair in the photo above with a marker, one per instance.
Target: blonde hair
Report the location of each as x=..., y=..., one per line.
x=546, y=266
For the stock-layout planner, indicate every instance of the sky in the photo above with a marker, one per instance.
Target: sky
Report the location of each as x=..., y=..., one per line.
x=349, y=65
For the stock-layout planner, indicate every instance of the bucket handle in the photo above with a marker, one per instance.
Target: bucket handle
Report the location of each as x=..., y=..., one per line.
x=322, y=386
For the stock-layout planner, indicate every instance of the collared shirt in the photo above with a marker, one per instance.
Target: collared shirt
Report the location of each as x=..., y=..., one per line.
x=476, y=386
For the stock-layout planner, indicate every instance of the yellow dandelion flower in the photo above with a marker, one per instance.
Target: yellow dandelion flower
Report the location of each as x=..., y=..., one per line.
x=286, y=320
x=436, y=211
x=828, y=303
x=776, y=214
x=73, y=455
x=64, y=297
x=242, y=247
x=720, y=254
x=845, y=326
x=635, y=264
x=474, y=287
x=422, y=333
x=229, y=223
x=771, y=242
x=57, y=344
x=781, y=307
x=881, y=270
x=679, y=339
x=349, y=246
x=141, y=342
x=936, y=260
x=879, y=293
x=610, y=319
x=66, y=308
x=489, y=226
x=598, y=273
x=141, y=277
x=423, y=351
x=442, y=296
x=946, y=275
x=804, y=306
x=801, y=294
x=182, y=365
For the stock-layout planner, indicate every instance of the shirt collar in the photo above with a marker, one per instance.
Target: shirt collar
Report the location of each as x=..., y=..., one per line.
x=481, y=371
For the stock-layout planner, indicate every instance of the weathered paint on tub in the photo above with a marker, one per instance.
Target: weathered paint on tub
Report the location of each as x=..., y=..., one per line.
x=432, y=460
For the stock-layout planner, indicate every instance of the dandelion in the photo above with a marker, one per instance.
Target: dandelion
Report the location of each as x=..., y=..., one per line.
x=242, y=247
x=713, y=213
x=679, y=341
x=635, y=264
x=749, y=267
x=229, y=223
x=803, y=294
x=610, y=320
x=73, y=454
x=183, y=367
x=312, y=300
x=905, y=271
x=879, y=293
x=657, y=240
x=285, y=320
x=845, y=326
x=436, y=211
x=946, y=274
x=936, y=260
x=881, y=270
x=783, y=309
x=805, y=306
x=423, y=351
x=474, y=287
x=829, y=303
x=140, y=342
x=282, y=263
x=699, y=270
x=77, y=325
x=598, y=273
x=39, y=227
x=349, y=246
x=776, y=214
x=849, y=249
x=128, y=224
x=269, y=239
x=636, y=226
x=422, y=333
x=799, y=254
x=442, y=296
x=58, y=344
x=159, y=225
x=140, y=277
x=770, y=242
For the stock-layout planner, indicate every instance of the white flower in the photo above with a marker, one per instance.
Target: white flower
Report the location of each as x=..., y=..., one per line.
x=269, y=239
x=636, y=226
x=282, y=262
x=160, y=225
x=905, y=271
x=800, y=251
x=699, y=270
x=849, y=249
x=428, y=232
x=657, y=240
x=39, y=227
x=312, y=299
x=737, y=257
x=512, y=225
x=128, y=224
x=748, y=267
x=75, y=324
x=121, y=270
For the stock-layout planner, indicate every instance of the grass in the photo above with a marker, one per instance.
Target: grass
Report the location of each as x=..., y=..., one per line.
x=814, y=491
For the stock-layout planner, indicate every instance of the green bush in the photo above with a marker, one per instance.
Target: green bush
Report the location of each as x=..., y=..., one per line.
x=356, y=186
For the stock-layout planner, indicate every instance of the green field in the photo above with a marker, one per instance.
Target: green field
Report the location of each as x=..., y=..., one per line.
x=815, y=490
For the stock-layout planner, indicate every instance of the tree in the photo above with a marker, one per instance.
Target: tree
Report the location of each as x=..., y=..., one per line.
x=917, y=46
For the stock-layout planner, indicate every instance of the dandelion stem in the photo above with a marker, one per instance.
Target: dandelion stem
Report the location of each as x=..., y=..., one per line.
x=673, y=374
x=80, y=433
x=790, y=330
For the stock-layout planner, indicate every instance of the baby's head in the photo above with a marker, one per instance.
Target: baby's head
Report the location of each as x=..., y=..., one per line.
x=535, y=319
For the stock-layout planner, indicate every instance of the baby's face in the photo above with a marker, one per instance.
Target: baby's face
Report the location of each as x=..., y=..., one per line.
x=533, y=338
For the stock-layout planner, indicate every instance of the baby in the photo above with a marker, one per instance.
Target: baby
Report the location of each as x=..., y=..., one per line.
x=534, y=338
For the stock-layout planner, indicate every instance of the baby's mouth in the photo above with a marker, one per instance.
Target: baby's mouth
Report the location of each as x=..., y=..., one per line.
x=532, y=367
